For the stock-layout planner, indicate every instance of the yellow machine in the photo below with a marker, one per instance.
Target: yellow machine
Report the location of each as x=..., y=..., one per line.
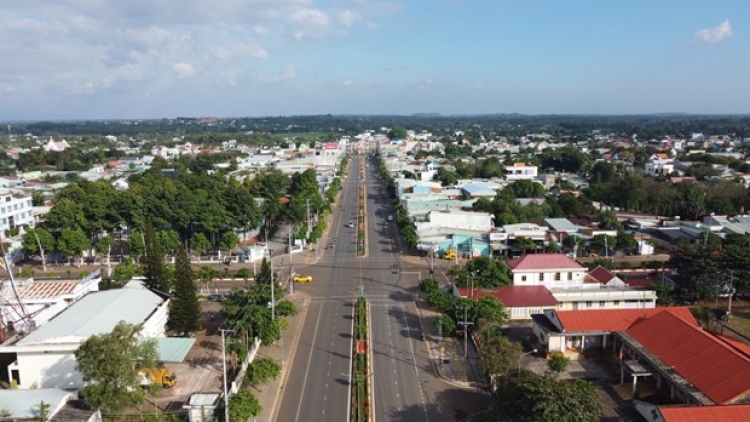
x=450, y=254
x=157, y=376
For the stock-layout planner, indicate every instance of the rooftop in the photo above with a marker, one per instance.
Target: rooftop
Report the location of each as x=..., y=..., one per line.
x=544, y=261
x=513, y=296
x=96, y=313
x=614, y=319
x=736, y=413
x=718, y=370
x=47, y=289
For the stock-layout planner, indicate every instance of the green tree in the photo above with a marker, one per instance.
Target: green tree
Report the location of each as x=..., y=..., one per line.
x=482, y=272
x=525, y=244
x=73, y=242
x=124, y=272
x=153, y=262
x=66, y=213
x=104, y=245
x=31, y=245
x=446, y=324
x=184, y=310
x=109, y=364
x=136, y=244
x=397, y=132
x=169, y=241
x=199, y=243
x=229, y=241
x=489, y=310
x=528, y=397
x=497, y=354
x=244, y=405
x=262, y=370
x=206, y=275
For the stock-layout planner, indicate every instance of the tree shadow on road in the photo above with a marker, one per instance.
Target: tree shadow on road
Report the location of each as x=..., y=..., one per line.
x=453, y=404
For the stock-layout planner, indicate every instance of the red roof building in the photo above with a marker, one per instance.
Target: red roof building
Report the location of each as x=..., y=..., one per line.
x=715, y=368
x=553, y=271
x=736, y=413
x=666, y=344
x=520, y=301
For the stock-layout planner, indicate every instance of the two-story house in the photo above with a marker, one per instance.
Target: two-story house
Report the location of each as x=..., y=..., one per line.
x=554, y=271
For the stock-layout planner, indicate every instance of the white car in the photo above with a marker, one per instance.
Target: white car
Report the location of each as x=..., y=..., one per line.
x=350, y=224
x=390, y=218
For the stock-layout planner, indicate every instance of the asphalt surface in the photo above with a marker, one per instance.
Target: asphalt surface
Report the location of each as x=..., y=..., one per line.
x=404, y=383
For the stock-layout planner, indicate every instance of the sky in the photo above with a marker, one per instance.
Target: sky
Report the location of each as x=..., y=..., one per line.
x=133, y=59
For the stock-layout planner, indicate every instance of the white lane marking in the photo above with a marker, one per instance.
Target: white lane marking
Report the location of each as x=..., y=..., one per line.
x=309, y=359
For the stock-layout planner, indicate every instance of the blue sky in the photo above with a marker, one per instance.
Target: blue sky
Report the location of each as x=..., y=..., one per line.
x=93, y=59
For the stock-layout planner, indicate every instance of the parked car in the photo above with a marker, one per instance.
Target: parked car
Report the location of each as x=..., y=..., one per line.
x=350, y=224
x=390, y=218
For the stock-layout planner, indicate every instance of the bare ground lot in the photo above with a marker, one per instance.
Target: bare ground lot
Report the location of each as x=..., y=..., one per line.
x=201, y=370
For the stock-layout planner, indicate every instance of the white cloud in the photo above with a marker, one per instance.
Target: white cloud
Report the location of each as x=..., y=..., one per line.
x=348, y=17
x=289, y=73
x=347, y=83
x=715, y=34
x=307, y=22
x=184, y=70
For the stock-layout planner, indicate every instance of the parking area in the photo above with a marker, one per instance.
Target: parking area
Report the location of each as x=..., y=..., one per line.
x=200, y=372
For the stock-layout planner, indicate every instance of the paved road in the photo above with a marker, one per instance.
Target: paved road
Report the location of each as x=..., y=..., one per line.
x=318, y=385
x=404, y=385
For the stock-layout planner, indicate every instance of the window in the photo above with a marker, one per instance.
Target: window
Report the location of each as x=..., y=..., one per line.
x=601, y=303
x=617, y=303
x=557, y=277
x=523, y=278
x=541, y=276
x=7, y=199
x=518, y=311
x=570, y=276
x=588, y=303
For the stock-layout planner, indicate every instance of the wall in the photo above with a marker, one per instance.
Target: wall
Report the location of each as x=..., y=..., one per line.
x=48, y=369
x=462, y=220
x=568, y=279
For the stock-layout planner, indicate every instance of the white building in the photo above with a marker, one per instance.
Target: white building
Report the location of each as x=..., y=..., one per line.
x=40, y=300
x=520, y=171
x=659, y=165
x=15, y=210
x=554, y=271
x=465, y=220
x=45, y=358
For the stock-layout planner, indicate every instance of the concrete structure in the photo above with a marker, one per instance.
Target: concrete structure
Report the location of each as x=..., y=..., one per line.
x=462, y=220
x=16, y=210
x=519, y=301
x=603, y=298
x=40, y=300
x=664, y=344
x=45, y=357
x=23, y=405
x=520, y=171
x=554, y=271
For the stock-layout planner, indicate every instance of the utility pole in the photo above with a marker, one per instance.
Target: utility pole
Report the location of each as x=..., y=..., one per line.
x=224, y=360
x=41, y=251
x=290, y=244
x=273, y=296
x=466, y=324
x=307, y=204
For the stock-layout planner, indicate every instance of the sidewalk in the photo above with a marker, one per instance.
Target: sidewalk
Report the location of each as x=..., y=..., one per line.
x=447, y=354
x=283, y=352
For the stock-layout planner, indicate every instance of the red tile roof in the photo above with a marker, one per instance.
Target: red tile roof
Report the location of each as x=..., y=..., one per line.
x=514, y=296
x=735, y=413
x=718, y=370
x=601, y=274
x=544, y=261
x=614, y=319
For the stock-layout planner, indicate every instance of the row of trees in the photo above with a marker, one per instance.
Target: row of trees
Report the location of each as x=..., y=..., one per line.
x=201, y=210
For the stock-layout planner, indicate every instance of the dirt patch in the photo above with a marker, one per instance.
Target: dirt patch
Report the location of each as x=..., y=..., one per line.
x=200, y=372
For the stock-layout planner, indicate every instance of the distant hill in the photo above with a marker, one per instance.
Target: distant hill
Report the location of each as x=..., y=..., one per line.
x=423, y=115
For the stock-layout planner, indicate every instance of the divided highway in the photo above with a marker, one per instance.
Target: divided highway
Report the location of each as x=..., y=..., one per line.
x=403, y=382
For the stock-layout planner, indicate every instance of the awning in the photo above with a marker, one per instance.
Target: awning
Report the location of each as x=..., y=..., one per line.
x=172, y=349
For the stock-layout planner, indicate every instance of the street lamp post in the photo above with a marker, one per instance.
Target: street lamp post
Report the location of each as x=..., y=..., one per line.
x=521, y=357
x=273, y=295
x=224, y=361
